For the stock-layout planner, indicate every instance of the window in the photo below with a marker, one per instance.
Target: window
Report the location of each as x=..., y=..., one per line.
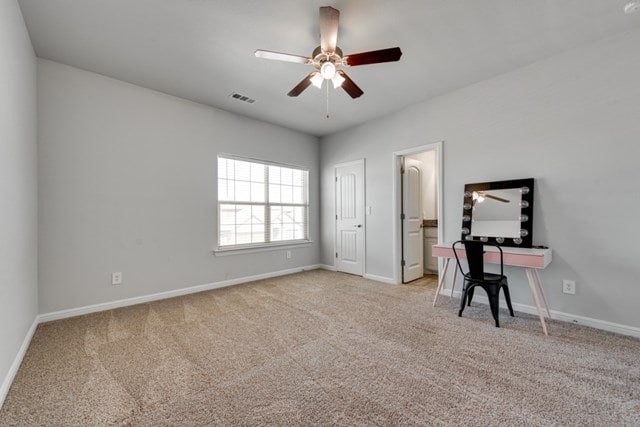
x=261, y=204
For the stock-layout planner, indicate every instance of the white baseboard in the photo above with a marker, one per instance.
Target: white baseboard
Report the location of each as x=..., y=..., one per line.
x=366, y=276
x=382, y=279
x=62, y=314
x=13, y=369
x=558, y=315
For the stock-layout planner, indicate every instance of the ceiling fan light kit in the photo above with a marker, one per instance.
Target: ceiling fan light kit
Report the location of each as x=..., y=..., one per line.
x=328, y=60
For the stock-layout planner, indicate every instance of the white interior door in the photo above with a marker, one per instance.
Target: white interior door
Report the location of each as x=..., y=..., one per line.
x=350, y=218
x=412, y=232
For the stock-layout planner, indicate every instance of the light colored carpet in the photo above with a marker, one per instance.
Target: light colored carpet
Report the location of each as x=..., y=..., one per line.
x=322, y=348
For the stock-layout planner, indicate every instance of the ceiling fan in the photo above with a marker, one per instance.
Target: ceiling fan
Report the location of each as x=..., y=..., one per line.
x=327, y=59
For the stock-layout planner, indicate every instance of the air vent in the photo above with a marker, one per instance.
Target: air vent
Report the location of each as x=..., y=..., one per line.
x=242, y=98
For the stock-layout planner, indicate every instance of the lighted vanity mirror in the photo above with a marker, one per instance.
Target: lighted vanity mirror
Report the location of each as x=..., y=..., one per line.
x=499, y=212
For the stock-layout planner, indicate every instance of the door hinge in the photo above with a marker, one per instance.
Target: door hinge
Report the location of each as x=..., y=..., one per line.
x=402, y=263
x=402, y=171
x=336, y=254
x=336, y=179
x=401, y=216
x=336, y=216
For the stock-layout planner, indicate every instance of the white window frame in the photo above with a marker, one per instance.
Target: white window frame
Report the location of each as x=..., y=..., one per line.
x=267, y=245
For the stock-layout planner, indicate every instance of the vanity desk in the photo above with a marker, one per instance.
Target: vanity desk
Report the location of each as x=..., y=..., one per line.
x=501, y=213
x=531, y=259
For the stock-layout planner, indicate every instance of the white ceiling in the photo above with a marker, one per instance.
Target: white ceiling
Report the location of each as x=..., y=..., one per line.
x=202, y=50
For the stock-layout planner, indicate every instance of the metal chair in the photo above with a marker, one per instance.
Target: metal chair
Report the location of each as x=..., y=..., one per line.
x=476, y=276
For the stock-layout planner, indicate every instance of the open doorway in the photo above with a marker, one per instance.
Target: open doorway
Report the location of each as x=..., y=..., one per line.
x=418, y=210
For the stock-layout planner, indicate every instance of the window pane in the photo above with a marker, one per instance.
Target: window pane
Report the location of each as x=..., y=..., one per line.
x=274, y=194
x=243, y=234
x=243, y=171
x=222, y=168
x=298, y=230
x=227, y=235
x=257, y=214
x=230, y=168
x=226, y=190
x=243, y=191
x=276, y=223
x=287, y=194
x=297, y=177
x=257, y=172
x=298, y=195
x=243, y=214
x=287, y=213
x=223, y=194
x=298, y=214
x=287, y=231
x=287, y=176
x=274, y=174
x=227, y=214
x=257, y=234
x=257, y=192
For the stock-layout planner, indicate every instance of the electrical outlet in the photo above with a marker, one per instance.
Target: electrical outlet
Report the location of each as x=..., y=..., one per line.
x=288, y=254
x=116, y=278
x=569, y=287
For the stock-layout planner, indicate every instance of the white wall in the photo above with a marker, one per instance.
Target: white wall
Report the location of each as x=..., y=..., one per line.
x=572, y=122
x=128, y=183
x=429, y=183
x=18, y=192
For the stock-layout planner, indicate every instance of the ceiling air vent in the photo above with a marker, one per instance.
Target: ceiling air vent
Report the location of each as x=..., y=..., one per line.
x=242, y=98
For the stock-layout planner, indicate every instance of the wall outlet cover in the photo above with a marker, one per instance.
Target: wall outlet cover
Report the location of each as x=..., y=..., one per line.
x=569, y=287
x=116, y=278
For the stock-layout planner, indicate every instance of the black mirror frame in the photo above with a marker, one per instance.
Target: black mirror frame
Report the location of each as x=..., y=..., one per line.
x=526, y=211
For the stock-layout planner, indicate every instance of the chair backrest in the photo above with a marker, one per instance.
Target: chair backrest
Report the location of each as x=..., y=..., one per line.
x=474, y=250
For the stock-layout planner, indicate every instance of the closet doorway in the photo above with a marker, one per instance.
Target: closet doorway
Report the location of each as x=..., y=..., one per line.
x=418, y=210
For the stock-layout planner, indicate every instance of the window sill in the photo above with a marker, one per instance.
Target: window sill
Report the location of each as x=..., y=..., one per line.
x=265, y=248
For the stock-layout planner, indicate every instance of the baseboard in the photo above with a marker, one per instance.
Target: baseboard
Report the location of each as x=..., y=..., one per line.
x=366, y=276
x=382, y=279
x=13, y=369
x=62, y=314
x=559, y=315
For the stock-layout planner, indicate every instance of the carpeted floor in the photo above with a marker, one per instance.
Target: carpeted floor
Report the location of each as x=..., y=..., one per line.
x=322, y=348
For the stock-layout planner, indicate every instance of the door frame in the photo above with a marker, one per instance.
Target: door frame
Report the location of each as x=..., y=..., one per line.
x=397, y=222
x=364, y=211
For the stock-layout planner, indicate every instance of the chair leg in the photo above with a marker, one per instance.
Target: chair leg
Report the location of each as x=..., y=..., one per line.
x=494, y=304
x=507, y=297
x=470, y=296
x=463, y=298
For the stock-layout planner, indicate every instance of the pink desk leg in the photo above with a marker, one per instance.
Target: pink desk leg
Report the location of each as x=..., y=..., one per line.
x=536, y=299
x=441, y=282
x=544, y=297
x=453, y=282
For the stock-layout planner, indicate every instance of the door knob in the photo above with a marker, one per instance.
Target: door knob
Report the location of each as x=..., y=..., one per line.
x=358, y=226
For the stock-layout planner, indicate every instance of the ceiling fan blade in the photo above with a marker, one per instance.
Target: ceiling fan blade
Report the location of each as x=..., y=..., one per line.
x=500, y=199
x=373, y=57
x=329, y=18
x=305, y=83
x=349, y=86
x=277, y=56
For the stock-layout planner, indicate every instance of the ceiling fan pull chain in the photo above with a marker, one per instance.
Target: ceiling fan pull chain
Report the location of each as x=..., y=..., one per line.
x=327, y=85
